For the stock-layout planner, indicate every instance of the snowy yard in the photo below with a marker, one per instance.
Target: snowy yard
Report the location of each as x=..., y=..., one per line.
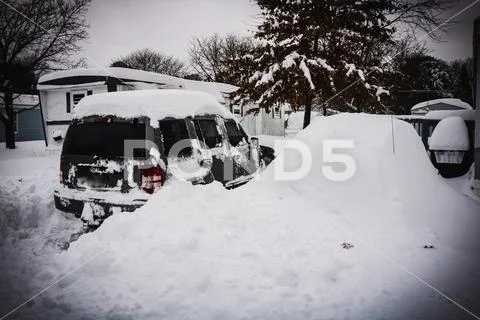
x=308, y=249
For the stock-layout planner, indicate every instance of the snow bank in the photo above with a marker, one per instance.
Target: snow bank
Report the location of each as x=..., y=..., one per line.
x=31, y=229
x=155, y=104
x=450, y=134
x=295, y=119
x=307, y=249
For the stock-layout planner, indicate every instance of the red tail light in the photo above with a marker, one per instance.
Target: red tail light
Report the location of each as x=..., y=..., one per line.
x=152, y=179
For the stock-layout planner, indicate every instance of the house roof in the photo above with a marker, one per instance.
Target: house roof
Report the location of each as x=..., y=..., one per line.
x=137, y=78
x=77, y=76
x=450, y=101
x=216, y=89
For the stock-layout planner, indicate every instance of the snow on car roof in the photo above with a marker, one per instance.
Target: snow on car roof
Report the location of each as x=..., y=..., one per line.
x=451, y=101
x=154, y=104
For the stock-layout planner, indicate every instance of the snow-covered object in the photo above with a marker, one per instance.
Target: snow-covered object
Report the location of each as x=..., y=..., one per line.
x=450, y=134
x=440, y=104
x=87, y=213
x=216, y=89
x=137, y=80
x=468, y=115
x=274, y=249
x=154, y=104
x=119, y=73
x=269, y=250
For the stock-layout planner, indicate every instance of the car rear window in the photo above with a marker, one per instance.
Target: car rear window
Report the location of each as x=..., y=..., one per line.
x=104, y=139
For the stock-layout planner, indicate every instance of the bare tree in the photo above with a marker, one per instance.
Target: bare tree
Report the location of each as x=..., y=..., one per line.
x=424, y=15
x=150, y=60
x=212, y=57
x=35, y=37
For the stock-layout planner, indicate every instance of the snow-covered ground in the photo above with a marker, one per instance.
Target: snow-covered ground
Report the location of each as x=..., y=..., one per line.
x=307, y=249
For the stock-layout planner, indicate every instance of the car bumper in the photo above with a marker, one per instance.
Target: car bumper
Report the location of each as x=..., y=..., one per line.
x=73, y=201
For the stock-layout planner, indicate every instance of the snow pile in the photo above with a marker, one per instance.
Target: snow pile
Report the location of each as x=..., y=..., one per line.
x=450, y=134
x=31, y=229
x=295, y=119
x=307, y=249
x=155, y=104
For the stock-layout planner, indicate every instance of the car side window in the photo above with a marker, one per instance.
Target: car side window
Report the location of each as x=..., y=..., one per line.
x=174, y=131
x=235, y=133
x=207, y=130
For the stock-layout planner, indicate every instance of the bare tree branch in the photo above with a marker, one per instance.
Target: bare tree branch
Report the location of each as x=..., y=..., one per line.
x=212, y=57
x=36, y=36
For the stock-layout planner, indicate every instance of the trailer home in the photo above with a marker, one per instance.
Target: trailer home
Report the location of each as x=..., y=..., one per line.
x=61, y=91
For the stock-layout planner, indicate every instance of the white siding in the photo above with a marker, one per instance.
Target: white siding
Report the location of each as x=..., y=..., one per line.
x=54, y=108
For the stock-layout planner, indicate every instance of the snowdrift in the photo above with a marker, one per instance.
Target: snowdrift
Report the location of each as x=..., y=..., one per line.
x=277, y=250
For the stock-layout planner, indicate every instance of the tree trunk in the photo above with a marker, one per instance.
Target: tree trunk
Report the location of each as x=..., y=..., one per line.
x=308, y=110
x=10, y=121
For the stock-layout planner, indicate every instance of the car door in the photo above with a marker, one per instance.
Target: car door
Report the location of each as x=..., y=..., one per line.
x=244, y=163
x=212, y=136
x=175, y=138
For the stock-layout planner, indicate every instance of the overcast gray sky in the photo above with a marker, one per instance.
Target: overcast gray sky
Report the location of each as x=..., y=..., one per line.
x=117, y=27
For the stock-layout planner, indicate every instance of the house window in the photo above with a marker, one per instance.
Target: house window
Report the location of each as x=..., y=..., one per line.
x=77, y=96
x=276, y=112
x=237, y=110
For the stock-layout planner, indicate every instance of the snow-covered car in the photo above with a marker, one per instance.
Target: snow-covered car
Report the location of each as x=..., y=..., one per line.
x=122, y=147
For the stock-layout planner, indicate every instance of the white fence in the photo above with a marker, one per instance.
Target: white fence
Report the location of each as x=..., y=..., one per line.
x=264, y=124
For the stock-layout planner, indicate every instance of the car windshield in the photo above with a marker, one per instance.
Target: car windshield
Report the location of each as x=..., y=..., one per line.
x=102, y=138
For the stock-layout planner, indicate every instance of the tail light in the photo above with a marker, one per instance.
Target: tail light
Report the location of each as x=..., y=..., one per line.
x=152, y=179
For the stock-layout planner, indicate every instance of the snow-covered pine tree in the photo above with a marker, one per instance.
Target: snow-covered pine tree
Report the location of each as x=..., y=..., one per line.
x=311, y=49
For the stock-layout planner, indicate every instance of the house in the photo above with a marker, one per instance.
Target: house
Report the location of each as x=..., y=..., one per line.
x=61, y=91
x=28, y=119
x=439, y=104
x=221, y=91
